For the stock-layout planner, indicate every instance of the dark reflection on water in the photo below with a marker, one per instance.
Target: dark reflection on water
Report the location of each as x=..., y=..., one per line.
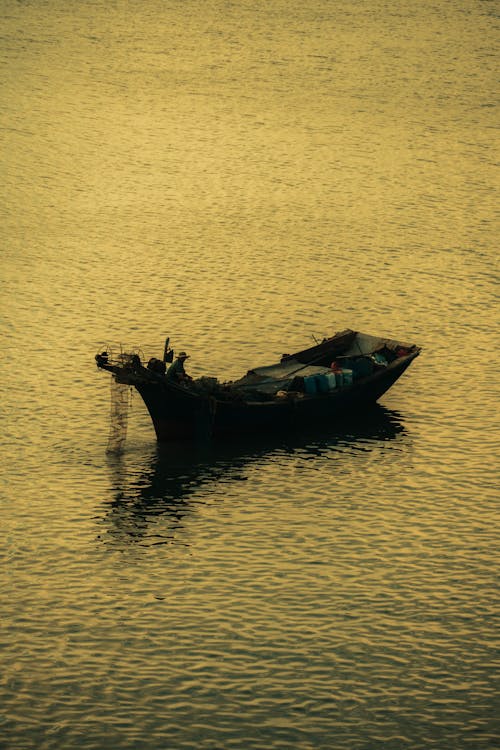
x=169, y=481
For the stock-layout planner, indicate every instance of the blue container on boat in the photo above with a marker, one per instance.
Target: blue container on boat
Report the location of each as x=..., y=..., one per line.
x=331, y=380
x=310, y=385
x=339, y=377
x=347, y=376
x=322, y=384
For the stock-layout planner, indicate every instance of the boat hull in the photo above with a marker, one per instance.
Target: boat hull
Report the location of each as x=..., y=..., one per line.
x=177, y=414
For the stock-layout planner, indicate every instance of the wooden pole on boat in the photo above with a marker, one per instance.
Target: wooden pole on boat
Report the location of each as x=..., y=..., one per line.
x=165, y=351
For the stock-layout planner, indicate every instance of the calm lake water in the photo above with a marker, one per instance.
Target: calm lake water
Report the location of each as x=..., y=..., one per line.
x=243, y=177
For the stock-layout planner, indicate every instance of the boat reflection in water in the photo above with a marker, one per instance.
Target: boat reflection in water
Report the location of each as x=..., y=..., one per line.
x=154, y=495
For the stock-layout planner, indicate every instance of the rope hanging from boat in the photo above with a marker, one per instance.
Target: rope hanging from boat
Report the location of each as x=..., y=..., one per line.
x=121, y=397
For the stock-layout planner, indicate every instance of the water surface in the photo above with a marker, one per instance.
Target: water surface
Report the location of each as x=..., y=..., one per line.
x=243, y=177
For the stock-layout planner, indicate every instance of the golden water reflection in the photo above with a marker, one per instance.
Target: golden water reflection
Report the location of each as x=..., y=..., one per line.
x=153, y=497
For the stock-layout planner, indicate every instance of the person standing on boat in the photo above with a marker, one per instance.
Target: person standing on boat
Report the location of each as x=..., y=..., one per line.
x=176, y=370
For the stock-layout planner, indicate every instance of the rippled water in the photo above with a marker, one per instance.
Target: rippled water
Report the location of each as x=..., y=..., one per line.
x=243, y=177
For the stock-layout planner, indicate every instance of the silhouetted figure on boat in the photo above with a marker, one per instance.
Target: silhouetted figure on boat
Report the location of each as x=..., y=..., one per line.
x=176, y=370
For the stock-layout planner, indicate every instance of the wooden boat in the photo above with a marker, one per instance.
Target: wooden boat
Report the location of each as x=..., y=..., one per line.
x=343, y=373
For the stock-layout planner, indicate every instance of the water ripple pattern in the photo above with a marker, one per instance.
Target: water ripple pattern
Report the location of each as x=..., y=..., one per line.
x=243, y=177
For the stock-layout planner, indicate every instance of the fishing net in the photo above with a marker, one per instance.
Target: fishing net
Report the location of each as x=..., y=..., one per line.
x=121, y=398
